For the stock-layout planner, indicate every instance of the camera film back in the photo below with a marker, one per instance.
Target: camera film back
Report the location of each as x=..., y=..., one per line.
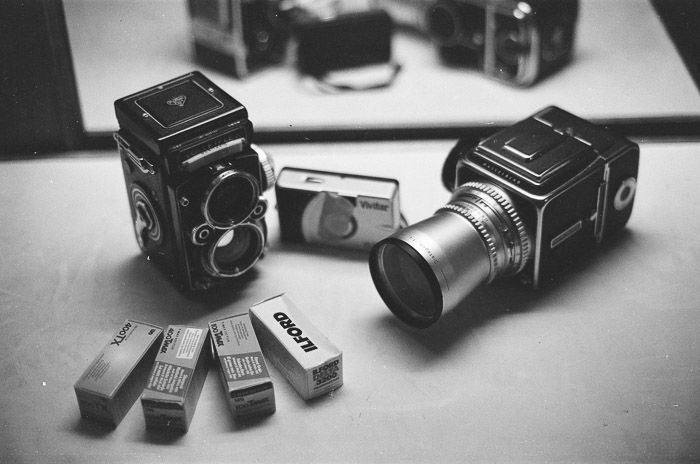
x=242, y=368
x=116, y=377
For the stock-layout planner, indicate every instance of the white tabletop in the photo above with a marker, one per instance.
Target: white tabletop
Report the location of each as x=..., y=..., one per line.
x=602, y=367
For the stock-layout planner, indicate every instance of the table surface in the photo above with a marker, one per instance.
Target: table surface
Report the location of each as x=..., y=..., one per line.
x=624, y=66
x=603, y=366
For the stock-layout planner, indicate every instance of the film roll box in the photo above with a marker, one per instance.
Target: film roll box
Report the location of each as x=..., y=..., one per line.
x=242, y=368
x=116, y=377
x=309, y=361
x=176, y=379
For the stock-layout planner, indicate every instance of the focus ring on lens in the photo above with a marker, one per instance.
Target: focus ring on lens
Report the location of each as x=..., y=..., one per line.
x=521, y=230
x=486, y=237
x=498, y=219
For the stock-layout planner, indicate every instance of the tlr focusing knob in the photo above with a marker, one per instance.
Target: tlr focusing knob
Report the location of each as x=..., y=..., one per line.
x=268, y=167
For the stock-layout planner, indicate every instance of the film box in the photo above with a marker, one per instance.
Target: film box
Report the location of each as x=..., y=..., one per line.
x=242, y=368
x=309, y=361
x=176, y=379
x=116, y=377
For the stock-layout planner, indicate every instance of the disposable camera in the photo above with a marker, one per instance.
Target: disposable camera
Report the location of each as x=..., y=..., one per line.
x=238, y=36
x=527, y=202
x=514, y=41
x=335, y=209
x=194, y=180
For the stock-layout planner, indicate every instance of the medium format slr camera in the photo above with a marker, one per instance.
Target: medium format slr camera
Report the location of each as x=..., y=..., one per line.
x=527, y=201
x=194, y=180
x=238, y=36
x=514, y=41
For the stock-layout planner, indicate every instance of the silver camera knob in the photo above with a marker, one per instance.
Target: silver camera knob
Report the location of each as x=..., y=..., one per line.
x=267, y=165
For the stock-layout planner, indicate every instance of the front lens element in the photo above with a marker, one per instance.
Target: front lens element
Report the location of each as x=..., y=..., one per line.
x=430, y=267
x=230, y=199
x=236, y=251
x=409, y=284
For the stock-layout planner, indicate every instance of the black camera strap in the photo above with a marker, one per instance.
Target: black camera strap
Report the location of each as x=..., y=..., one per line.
x=371, y=77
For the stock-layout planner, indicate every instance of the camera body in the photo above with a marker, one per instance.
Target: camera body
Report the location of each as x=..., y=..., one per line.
x=572, y=183
x=193, y=180
x=527, y=201
x=238, y=36
x=334, y=209
x=517, y=42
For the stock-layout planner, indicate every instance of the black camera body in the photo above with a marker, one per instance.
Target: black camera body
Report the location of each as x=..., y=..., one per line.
x=527, y=201
x=193, y=179
x=238, y=36
x=572, y=183
x=514, y=41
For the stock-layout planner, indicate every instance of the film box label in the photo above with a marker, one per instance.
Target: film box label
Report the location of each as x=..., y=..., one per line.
x=242, y=368
x=176, y=379
x=309, y=361
x=116, y=377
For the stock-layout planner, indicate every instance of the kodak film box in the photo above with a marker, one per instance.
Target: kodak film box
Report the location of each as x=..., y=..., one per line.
x=176, y=379
x=242, y=368
x=116, y=377
x=309, y=361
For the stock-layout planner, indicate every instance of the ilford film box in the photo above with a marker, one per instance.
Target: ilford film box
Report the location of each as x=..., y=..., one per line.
x=242, y=367
x=176, y=379
x=116, y=377
x=311, y=363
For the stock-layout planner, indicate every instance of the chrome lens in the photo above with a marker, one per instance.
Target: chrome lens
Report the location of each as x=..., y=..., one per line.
x=236, y=251
x=230, y=198
x=430, y=267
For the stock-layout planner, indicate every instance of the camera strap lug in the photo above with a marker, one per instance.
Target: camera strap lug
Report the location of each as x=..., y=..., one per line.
x=141, y=163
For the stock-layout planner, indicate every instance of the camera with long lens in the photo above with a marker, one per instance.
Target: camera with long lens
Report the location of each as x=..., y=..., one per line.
x=527, y=202
x=514, y=41
x=194, y=180
x=238, y=36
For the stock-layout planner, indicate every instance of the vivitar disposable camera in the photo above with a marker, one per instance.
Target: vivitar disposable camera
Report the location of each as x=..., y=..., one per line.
x=193, y=179
x=238, y=36
x=514, y=41
x=336, y=209
x=527, y=201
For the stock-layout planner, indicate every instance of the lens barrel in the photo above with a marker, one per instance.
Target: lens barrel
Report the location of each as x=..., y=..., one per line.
x=230, y=198
x=235, y=251
x=430, y=267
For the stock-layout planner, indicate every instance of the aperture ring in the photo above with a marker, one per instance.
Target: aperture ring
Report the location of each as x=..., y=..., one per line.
x=505, y=203
x=480, y=227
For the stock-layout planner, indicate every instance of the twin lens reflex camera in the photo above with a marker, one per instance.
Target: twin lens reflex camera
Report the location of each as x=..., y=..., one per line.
x=194, y=180
x=527, y=201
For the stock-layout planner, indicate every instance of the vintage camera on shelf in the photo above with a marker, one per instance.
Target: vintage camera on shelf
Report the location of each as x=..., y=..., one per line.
x=238, y=36
x=194, y=180
x=514, y=41
x=527, y=201
x=342, y=210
